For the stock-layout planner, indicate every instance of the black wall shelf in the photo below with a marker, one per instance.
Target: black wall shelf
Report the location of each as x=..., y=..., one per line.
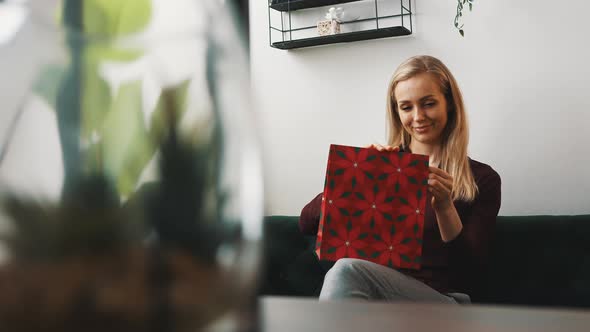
x=343, y=37
x=286, y=5
x=294, y=35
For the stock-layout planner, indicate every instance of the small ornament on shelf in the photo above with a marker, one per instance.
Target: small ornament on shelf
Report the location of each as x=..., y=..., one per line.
x=331, y=25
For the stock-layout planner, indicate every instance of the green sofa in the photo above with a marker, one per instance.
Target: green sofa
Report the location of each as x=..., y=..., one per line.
x=536, y=261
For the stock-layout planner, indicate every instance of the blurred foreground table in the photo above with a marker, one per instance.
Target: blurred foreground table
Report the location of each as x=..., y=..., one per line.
x=290, y=314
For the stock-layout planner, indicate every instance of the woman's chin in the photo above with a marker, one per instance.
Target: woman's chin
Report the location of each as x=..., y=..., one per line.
x=426, y=138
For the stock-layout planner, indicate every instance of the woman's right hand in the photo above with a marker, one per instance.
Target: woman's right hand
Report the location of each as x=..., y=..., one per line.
x=380, y=147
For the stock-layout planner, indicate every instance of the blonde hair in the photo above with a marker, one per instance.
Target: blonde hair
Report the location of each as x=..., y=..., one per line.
x=455, y=136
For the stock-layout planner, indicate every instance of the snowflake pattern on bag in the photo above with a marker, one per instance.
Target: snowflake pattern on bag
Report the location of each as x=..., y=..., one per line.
x=373, y=206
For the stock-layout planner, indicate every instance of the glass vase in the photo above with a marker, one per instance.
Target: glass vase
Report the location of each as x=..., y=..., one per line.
x=130, y=176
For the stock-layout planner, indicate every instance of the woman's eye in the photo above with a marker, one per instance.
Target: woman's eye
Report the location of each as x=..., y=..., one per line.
x=429, y=104
x=406, y=108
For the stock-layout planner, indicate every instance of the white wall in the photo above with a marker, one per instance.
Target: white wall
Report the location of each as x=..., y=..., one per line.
x=523, y=67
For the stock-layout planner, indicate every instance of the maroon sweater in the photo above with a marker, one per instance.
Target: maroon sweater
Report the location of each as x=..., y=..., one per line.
x=457, y=265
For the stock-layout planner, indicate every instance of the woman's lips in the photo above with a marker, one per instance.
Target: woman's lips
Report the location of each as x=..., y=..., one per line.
x=422, y=129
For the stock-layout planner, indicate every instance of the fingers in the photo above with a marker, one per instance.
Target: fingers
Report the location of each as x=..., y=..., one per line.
x=441, y=183
x=439, y=187
x=445, y=181
x=440, y=172
x=440, y=180
x=380, y=147
x=440, y=198
x=441, y=194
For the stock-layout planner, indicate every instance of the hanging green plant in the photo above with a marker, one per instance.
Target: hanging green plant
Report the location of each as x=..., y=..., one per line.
x=459, y=15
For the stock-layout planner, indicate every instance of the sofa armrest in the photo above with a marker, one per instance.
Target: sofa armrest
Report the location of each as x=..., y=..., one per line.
x=290, y=264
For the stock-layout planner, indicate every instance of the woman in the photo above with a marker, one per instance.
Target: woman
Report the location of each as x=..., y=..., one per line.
x=426, y=115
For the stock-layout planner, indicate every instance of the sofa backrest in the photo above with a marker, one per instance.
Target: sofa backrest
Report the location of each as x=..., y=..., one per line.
x=540, y=260
x=536, y=260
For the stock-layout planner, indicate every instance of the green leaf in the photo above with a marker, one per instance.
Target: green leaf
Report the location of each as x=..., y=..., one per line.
x=332, y=184
x=328, y=218
x=333, y=233
x=353, y=182
x=356, y=150
x=419, y=194
x=412, y=180
x=331, y=250
x=341, y=154
x=377, y=237
x=402, y=217
x=339, y=171
x=45, y=86
x=418, y=259
x=360, y=196
x=358, y=213
x=419, y=241
x=397, y=187
x=414, y=163
x=375, y=254
x=416, y=228
x=349, y=225
x=385, y=159
x=369, y=175
x=387, y=216
x=123, y=19
x=405, y=258
x=372, y=223
x=404, y=201
x=425, y=182
x=406, y=240
x=392, y=230
x=363, y=236
x=361, y=253
x=375, y=189
x=371, y=157
x=383, y=176
x=389, y=199
x=344, y=212
x=345, y=194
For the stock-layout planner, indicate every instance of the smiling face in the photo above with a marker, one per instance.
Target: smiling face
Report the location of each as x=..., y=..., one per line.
x=422, y=109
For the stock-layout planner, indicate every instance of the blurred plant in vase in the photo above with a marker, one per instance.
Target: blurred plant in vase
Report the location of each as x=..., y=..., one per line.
x=143, y=210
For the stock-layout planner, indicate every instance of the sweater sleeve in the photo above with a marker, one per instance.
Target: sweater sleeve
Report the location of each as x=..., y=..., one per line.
x=469, y=251
x=310, y=216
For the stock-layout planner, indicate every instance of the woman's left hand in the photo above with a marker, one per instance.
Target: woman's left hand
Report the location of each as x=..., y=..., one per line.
x=440, y=184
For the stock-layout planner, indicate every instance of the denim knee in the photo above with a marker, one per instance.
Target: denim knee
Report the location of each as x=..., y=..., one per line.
x=345, y=280
x=344, y=267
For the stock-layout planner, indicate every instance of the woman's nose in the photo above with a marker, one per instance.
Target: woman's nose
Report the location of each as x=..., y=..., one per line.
x=419, y=114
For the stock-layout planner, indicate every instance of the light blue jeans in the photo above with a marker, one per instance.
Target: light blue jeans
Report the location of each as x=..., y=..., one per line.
x=352, y=278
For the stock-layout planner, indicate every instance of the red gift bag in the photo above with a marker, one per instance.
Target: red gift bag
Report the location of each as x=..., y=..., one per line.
x=373, y=206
